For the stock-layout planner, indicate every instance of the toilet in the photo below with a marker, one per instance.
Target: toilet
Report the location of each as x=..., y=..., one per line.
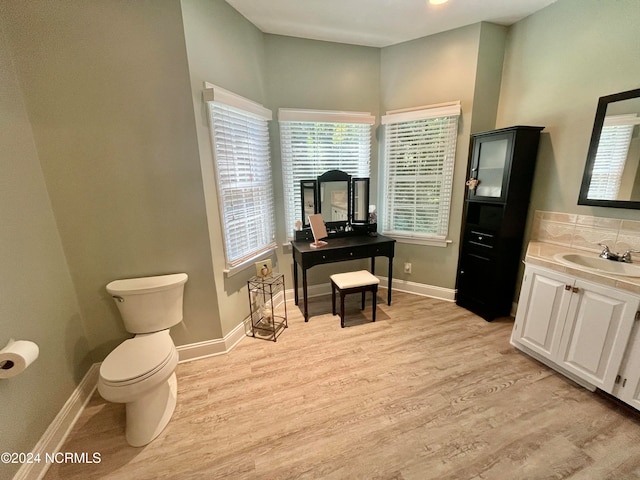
x=140, y=372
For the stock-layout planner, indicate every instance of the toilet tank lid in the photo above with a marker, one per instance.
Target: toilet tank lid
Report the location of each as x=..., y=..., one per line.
x=135, y=286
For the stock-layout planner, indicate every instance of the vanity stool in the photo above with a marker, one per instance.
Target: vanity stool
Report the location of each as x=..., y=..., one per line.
x=353, y=282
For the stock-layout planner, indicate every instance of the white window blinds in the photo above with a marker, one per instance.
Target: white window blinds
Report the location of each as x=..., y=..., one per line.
x=240, y=141
x=613, y=148
x=419, y=158
x=313, y=142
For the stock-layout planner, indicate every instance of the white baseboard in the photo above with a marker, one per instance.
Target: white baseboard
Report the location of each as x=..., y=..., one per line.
x=424, y=290
x=218, y=346
x=57, y=432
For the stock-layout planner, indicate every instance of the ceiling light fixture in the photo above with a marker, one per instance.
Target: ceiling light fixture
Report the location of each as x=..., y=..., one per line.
x=437, y=2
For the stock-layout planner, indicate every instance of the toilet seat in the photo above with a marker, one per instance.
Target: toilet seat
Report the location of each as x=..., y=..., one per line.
x=137, y=359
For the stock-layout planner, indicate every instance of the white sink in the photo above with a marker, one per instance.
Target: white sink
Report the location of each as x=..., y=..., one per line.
x=597, y=264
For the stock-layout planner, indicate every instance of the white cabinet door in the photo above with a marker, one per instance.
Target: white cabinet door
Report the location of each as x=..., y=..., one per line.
x=628, y=385
x=599, y=322
x=542, y=309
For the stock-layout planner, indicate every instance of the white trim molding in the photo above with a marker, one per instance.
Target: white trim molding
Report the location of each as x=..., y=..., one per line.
x=213, y=93
x=59, y=429
x=330, y=116
x=422, y=289
x=217, y=346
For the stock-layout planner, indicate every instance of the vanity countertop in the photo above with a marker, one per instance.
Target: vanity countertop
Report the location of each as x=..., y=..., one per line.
x=542, y=254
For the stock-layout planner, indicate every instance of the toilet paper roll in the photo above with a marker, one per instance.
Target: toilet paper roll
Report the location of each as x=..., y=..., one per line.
x=16, y=357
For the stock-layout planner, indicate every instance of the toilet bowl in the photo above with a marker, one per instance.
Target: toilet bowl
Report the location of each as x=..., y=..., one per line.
x=140, y=372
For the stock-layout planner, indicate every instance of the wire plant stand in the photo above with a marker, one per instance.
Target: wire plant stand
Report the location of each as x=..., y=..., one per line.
x=268, y=306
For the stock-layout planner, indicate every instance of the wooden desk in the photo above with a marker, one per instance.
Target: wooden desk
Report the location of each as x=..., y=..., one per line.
x=339, y=250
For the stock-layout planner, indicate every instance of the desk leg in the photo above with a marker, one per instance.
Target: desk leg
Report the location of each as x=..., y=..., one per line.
x=295, y=281
x=373, y=265
x=390, y=278
x=304, y=295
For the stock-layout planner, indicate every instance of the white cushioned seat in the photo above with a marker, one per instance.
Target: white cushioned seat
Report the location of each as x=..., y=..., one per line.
x=354, y=279
x=361, y=282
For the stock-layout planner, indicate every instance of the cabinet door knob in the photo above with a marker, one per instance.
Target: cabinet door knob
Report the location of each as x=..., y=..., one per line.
x=575, y=289
x=567, y=287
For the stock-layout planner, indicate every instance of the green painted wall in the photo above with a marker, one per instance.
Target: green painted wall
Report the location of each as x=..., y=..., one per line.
x=319, y=75
x=37, y=298
x=224, y=49
x=109, y=101
x=437, y=69
x=558, y=62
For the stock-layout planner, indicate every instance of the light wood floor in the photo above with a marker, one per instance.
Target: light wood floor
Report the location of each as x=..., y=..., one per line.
x=428, y=391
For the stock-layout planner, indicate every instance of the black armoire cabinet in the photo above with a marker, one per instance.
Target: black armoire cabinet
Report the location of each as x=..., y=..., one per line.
x=501, y=171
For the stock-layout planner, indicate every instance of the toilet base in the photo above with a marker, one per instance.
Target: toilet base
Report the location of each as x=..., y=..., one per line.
x=147, y=416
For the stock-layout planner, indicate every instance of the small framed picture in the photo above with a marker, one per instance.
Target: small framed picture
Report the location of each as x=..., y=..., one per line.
x=263, y=268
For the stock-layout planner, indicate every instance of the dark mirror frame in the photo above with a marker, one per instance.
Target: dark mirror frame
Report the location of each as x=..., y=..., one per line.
x=336, y=176
x=601, y=112
x=304, y=186
x=352, y=213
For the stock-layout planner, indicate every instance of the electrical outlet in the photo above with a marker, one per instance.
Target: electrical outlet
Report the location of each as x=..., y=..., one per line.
x=407, y=267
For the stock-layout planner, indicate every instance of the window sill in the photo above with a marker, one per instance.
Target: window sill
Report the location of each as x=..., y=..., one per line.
x=428, y=242
x=231, y=271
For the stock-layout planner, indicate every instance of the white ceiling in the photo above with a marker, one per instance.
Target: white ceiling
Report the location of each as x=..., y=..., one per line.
x=377, y=23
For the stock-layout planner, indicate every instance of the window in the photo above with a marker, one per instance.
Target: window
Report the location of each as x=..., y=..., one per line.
x=240, y=141
x=613, y=148
x=314, y=141
x=419, y=158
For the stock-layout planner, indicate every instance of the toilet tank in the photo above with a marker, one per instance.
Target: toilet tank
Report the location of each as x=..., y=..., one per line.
x=149, y=304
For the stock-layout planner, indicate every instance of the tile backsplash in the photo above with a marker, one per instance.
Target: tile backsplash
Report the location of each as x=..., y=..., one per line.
x=585, y=232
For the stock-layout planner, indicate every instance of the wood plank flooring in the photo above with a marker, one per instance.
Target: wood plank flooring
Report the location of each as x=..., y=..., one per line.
x=428, y=391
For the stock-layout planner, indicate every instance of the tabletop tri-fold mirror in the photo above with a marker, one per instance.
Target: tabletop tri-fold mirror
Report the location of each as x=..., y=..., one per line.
x=342, y=200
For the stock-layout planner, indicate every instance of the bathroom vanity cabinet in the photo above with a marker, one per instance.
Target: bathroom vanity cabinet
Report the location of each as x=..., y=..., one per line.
x=501, y=169
x=582, y=329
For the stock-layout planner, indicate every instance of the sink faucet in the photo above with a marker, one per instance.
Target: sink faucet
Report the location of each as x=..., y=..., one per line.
x=609, y=255
x=626, y=256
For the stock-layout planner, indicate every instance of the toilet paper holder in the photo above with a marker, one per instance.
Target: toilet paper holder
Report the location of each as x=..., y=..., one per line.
x=16, y=356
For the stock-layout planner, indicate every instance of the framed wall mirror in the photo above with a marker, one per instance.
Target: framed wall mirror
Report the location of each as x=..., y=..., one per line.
x=308, y=193
x=360, y=201
x=611, y=176
x=334, y=193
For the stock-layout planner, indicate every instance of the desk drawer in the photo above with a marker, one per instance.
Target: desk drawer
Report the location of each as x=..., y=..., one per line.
x=341, y=255
x=341, y=249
